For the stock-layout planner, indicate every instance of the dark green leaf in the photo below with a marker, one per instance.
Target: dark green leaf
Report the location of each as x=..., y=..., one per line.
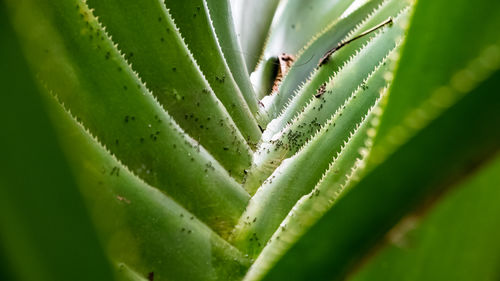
x=455, y=240
x=45, y=231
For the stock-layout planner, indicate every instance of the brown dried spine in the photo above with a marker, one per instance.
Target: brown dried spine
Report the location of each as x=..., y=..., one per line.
x=326, y=57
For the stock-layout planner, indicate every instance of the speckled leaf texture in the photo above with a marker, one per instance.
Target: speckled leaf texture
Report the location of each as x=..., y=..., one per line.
x=241, y=140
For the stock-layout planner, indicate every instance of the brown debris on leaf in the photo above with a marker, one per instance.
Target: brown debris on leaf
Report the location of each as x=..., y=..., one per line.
x=321, y=90
x=285, y=62
x=326, y=57
x=122, y=199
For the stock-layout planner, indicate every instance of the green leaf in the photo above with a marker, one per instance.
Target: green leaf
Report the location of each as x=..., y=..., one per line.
x=306, y=113
x=307, y=58
x=288, y=101
x=295, y=23
x=196, y=27
x=5, y=272
x=298, y=175
x=150, y=41
x=447, y=49
x=457, y=239
x=223, y=24
x=171, y=243
x=163, y=168
x=253, y=33
x=124, y=273
x=45, y=231
x=120, y=111
x=339, y=177
x=437, y=140
x=438, y=154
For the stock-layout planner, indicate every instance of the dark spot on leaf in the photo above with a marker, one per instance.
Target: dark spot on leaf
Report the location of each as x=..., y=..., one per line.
x=115, y=171
x=320, y=91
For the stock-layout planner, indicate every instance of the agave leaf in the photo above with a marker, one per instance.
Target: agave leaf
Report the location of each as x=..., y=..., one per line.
x=305, y=126
x=378, y=201
x=296, y=22
x=170, y=244
x=121, y=112
x=310, y=112
x=298, y=175
x=154, y=46
x=339, y=177
x=388, y=9
x=263, y=80
x=369, y=209
x=42, y=213
x=364, y=18
x=197, y=29
x=252, y=33
x=360, y=217
x=5, y=273
x=306, y=59
x=446, y=71
x=124, y=273
x=223, y=24
x=457, y=239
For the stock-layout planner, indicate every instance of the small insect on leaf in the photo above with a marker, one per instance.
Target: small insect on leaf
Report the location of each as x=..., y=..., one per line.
x=321, y=90
x=326, y=57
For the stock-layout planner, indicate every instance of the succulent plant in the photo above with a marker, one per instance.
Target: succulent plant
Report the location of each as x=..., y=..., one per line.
x=250, y=140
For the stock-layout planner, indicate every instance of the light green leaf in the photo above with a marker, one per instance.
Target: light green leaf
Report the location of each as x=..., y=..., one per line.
x=430, y=151
x=251, y=32
x=307, y=58
x=223, y=24
x=288, y=101
x=124, y=273
x=120, y=111
x=295, y=23
x=298, y=175
x=433, y=158
x=306, y=113
x=147, y=36
x=339, y=177
x=171, y=244
x=197, y=29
